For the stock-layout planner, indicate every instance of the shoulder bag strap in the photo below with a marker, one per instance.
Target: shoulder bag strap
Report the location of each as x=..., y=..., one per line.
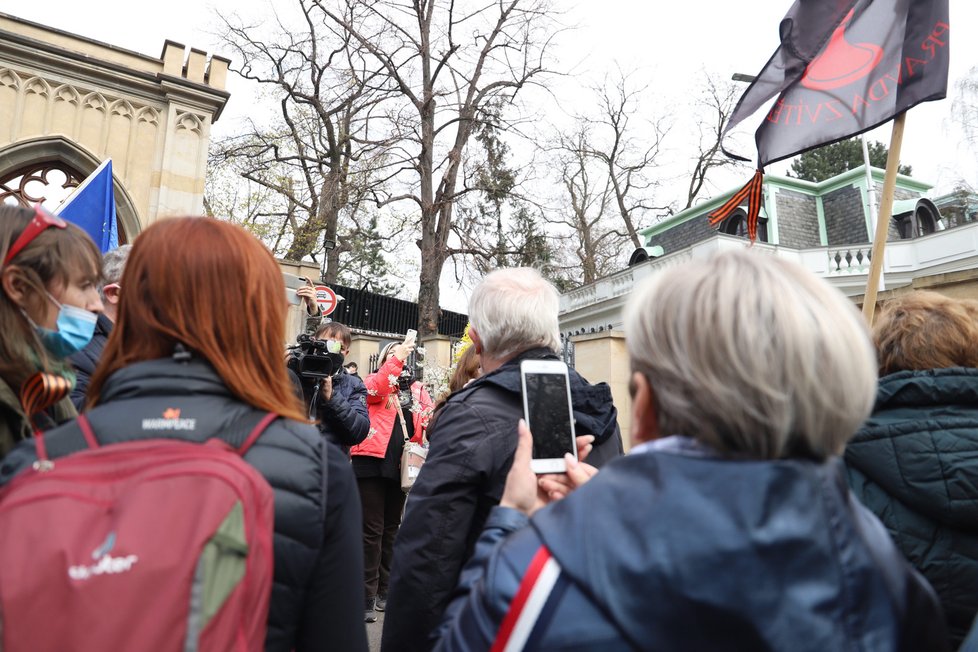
x=400, y=414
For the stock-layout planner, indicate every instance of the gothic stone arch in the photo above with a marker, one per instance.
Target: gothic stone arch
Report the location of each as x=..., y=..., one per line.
x=37, y=153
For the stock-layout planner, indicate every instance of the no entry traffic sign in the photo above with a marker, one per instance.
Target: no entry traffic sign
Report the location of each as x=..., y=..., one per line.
x=326, y=299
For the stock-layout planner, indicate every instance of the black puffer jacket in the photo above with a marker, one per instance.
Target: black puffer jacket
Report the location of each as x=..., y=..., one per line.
x=915, y=465
x=317, y=596
x=472, y=444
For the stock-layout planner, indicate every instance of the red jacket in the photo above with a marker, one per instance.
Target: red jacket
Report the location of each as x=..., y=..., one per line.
x=382, y=404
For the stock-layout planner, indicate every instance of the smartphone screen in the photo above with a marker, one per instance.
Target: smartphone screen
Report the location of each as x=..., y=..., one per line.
x=546, y=400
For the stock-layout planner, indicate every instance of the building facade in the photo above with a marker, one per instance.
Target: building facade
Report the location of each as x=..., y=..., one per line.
x=826, y=227
x=68, y=102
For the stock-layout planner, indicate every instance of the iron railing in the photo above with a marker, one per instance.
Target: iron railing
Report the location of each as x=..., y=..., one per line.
x=367, y=311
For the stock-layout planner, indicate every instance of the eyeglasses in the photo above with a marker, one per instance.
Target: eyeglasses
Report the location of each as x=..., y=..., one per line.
x=41, y=221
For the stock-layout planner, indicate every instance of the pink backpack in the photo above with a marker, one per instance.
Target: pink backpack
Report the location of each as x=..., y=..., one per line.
x=153, y=544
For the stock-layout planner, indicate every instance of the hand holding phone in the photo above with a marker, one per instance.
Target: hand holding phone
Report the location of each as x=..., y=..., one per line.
x=292, y=284
x=549, y=414
x=411, y=337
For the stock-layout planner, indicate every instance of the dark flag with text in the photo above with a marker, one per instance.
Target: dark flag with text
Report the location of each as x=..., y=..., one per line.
x=843, y=67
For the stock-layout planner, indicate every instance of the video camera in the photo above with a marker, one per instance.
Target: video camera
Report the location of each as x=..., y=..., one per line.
x=310, y=359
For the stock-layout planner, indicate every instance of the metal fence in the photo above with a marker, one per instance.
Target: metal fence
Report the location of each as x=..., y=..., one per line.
x=374, y=312
x=567, y=350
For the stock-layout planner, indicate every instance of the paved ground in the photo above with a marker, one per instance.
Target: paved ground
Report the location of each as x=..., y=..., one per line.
x=373, y=632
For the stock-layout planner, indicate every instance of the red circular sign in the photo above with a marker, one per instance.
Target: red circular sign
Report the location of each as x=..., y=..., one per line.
x=326, y=299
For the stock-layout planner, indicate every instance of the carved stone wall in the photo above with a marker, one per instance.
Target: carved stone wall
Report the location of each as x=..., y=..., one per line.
x=67, y=98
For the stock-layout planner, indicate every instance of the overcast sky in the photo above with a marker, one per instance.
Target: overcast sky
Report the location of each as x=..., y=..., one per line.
x=668, y=43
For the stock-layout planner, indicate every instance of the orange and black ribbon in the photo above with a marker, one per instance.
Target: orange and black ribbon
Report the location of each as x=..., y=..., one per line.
x=41, y=391
x=753, y=194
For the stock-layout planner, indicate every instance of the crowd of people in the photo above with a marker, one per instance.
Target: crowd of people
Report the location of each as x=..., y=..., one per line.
x=795, y=480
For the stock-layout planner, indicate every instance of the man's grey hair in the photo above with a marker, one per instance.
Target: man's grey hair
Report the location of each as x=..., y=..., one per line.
x=514, y=310
x=113, y=264
x=752, y=355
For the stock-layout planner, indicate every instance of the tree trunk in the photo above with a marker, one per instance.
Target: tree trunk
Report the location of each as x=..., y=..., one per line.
x=429, y=293
x=625, y=217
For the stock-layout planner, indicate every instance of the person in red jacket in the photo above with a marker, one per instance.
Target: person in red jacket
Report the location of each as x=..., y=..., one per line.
x=399, y=408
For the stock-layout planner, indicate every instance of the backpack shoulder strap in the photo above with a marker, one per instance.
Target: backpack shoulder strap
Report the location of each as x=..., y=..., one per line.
x=256, y=432
x=77, y=437
x=243, y=433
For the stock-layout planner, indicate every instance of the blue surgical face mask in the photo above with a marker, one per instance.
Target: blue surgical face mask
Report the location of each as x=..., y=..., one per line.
x=75, y=329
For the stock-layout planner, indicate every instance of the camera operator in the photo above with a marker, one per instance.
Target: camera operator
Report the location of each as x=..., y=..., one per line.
x=336, y=399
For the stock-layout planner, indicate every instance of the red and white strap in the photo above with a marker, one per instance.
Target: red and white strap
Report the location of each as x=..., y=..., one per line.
x=528, y=603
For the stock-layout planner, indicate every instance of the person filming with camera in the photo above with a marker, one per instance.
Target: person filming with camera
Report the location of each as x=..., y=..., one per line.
x=335, y=399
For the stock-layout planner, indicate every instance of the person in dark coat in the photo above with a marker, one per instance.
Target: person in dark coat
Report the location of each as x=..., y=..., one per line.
x=340, y=406
x=729, y=526
x=513, y=316
x=192, y=362
x=85, y=361
x=914, y=463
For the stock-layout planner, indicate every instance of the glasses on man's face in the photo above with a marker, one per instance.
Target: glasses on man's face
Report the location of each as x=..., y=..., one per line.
x=39, y=222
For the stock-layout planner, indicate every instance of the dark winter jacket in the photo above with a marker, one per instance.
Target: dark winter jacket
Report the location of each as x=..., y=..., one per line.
x=87, y=359
x=472, y=444
x=343, y=419
x=915, y=465
x=674, y=549
x=317, y=596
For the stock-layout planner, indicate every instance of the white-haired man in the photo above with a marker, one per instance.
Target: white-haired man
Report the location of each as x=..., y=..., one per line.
x=513, y=317
x=85, y=361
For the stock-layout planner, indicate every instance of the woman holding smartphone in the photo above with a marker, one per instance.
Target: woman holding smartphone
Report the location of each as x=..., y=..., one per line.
x=399, y=408
x=48, y=311
x=729, y=525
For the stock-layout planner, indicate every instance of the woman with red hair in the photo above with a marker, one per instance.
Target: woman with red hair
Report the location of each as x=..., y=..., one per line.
x=198, y=338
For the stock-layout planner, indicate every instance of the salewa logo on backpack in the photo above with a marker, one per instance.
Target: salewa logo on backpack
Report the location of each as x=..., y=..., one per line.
x=105, y=564
x=171, y=421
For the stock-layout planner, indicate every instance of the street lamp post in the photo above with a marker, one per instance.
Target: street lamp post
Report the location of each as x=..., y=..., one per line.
x=328, y=245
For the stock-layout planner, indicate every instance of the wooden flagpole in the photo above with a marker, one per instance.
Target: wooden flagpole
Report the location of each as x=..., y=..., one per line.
x=883, y=218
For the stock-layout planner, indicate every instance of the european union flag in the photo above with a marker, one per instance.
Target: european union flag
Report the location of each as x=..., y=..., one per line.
x=92, y=207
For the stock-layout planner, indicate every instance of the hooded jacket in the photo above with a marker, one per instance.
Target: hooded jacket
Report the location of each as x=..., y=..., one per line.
x=658, y=553
x=914, y=464
x=317, y=593
x=473, y=440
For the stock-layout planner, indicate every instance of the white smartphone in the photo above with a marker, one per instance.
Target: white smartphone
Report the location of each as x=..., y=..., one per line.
x=411, y=336
x=549, y=414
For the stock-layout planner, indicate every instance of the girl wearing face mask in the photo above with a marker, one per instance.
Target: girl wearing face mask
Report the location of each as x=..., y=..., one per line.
x=48, y=308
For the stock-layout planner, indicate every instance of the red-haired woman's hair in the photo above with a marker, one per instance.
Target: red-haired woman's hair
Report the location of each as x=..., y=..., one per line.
x=214, y=288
